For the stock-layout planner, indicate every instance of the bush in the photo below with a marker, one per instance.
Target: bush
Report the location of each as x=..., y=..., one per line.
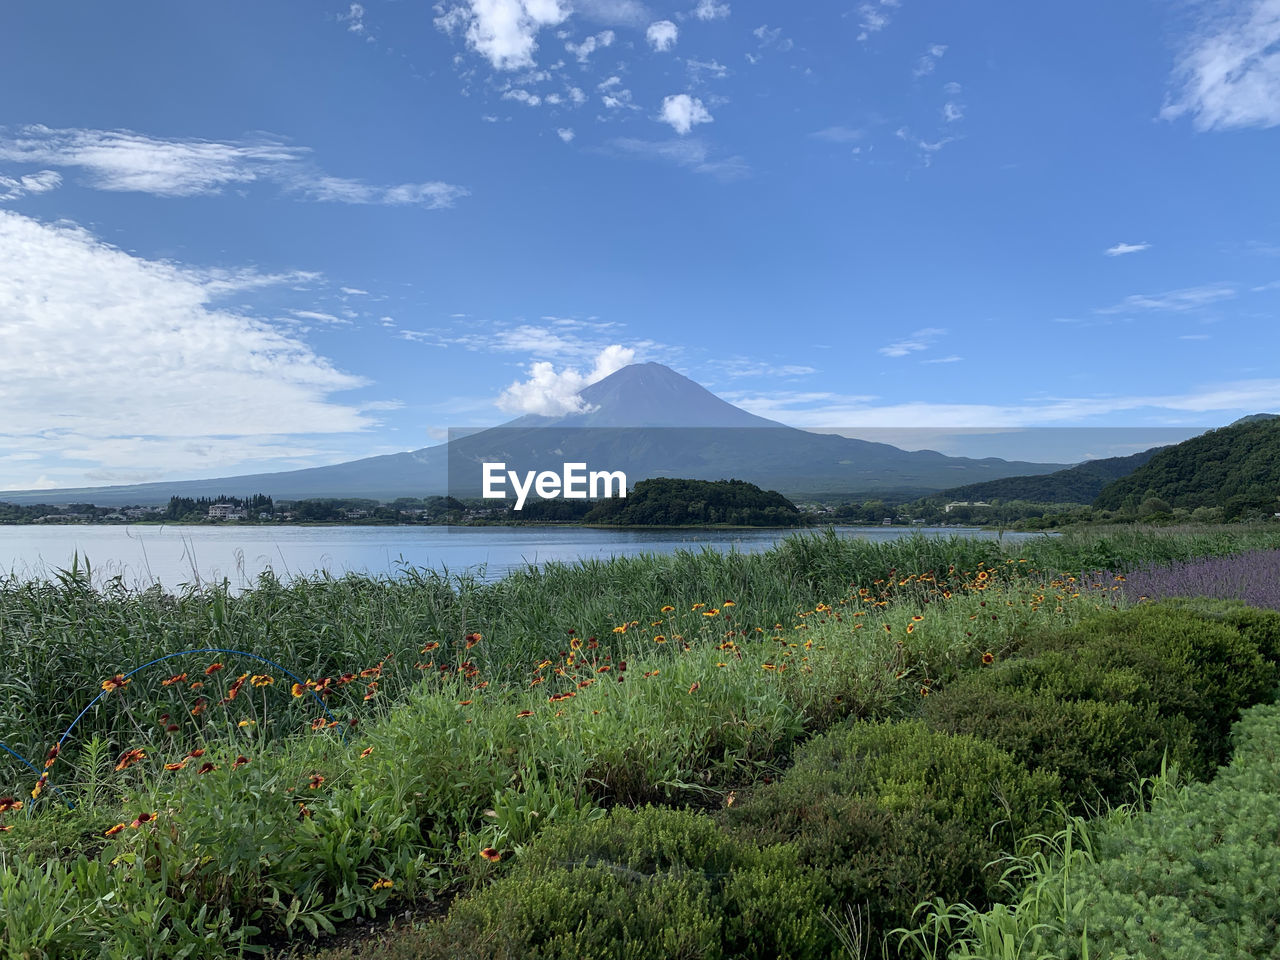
x=1184, y=663
x=892, y=814
x=1098, y=748
x=647, y=883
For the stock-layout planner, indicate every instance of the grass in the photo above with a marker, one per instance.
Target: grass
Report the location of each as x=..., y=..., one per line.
x=471, y=716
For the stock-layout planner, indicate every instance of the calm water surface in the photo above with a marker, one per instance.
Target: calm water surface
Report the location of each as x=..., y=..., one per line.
x=175, y=556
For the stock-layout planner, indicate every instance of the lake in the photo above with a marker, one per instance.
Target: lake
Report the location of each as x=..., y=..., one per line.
x=176, y=555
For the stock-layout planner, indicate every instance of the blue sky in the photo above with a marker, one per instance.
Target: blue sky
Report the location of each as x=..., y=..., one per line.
x=245, y=236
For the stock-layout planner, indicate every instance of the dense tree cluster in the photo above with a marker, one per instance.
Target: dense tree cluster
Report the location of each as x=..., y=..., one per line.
x=671, y=502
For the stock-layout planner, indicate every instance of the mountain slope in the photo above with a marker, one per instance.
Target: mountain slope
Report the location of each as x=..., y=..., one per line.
x=645, y=419
x=1236, y=468
x=1078, y=484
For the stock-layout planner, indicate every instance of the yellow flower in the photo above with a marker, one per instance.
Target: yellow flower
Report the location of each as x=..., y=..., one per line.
x=383, y=884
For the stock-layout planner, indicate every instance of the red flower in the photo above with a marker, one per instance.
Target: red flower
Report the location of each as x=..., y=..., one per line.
x=212, y=669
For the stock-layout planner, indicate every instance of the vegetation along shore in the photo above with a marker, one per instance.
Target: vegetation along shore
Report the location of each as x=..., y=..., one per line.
x=918, y=748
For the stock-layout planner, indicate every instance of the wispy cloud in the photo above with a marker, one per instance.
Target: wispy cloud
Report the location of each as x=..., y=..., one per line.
x=929, y=61
x=873, y=16
x=839, y=134
x=590, y=45
x=146, y=344
x=711, y=10
x=927, y=148
x=125, y=161
x=1228, y=75
x=11, y=188
x=951, y=359
x=772, y=37
x=354, y=19
x=818, y=409
x=692, y=154
x=1188, y=298
x=1120, y=249
x=920, y=340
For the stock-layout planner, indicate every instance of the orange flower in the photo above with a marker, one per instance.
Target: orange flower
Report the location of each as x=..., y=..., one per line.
x=316, y=781
x=114, y=830
x=472, y=639
x=196, y=754
x=490, y=854
x=262, y=680
x=668, y=608
x=768, y=666
x=603, y=669
x=465, y=703
x=9, y=803
x=524, y=713
x=924, y=691
x=988, y=658
x=39, y=787
x=52, y=755
x=433, y=645
x=239, y=762
x=179, y=765
x=211, y=669
x=176, y=678
x=911, y=628
x=917, y=618
x=196, y=684
x=366, y=751
x=303, y=812
x=118, y=682
x=141, y=819
x=130, y=757
x=206, y=768
x=693, y=686
x=659, y=639
x=298, y=690
x=728, y=603
x=317, y=723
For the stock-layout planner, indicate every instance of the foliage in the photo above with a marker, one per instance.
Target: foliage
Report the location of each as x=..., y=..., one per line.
x=1235, y=468
x=895, y=813
x=642, y=884
x=1079, y=484
x=1192, y=876
x=666, y=501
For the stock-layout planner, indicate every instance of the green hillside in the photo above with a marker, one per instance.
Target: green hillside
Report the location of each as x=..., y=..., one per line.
x=1078, y=484
x=1235, y=469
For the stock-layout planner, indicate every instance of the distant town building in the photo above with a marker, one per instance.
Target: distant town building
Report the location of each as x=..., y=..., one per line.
x=225, y=511
x=964, y=503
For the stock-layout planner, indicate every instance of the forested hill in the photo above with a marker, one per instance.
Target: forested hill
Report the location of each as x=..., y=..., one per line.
x=1235, y=468
x=672, y=502
x=1079, y=484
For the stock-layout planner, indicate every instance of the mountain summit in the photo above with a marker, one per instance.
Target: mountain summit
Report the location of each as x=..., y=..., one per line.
x=649, y=395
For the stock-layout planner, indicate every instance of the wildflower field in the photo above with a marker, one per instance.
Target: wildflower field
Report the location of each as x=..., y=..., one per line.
x=835, y=748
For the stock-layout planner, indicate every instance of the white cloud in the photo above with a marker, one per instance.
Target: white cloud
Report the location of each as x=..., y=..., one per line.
x=926, y=64
x=1188, y=298
x=1120, y=249
x=552, y=394
x=772, y=38
x=710, y=10
x=684, y=112
x=696, y=68
x=566, y=134
x=503, y=31
x=691, y=154
x=121, y=361
x=522, y=95
x=920, y=340
x=589, y=46
x=874, y=17
x=121, y=160
x=1228, y=76
x=952, y=112
x=951, y=359
x=11, y=188
x=354, y=19
x=630, y=13
x=662, y=35
x=927, y=148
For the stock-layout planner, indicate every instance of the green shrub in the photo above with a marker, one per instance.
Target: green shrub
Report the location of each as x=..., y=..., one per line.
x=892, y=814
x=647, y=883
x=1097, y=747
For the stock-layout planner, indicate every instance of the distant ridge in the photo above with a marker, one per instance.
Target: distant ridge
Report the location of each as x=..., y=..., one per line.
x=645, y=419
x=1079, y=484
